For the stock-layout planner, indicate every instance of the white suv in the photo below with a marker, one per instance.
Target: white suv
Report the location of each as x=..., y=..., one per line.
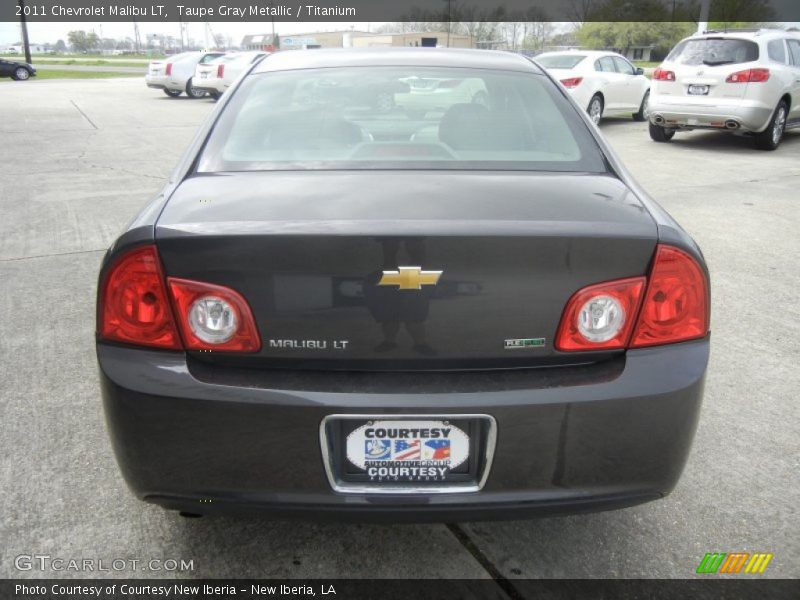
x=747, y=82
x=175, y=74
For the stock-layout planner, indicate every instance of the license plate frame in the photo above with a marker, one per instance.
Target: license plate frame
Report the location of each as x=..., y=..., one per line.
x=698, y=89
x=346, y=477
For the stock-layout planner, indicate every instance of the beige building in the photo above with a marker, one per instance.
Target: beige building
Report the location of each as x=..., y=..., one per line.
x=355, y=39
x=433, y=39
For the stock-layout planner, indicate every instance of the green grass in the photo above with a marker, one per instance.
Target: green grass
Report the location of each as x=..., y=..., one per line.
x=646, y=64
x=92, y=63
x=76, y=75
x=67, y=55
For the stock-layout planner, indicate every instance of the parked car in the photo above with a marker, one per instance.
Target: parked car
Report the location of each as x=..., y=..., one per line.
x=322, y=315
x=16, y=70
x=175, y=75
x=216, y=76
x=604, y=83
x=746, y=82
x=425, y=94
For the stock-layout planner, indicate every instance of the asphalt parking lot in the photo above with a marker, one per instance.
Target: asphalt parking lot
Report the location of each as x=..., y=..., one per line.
x=81, y=157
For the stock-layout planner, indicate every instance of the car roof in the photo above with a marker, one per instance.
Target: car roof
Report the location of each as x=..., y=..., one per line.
x=744, y=34
x=405, y=57
x=587, y=53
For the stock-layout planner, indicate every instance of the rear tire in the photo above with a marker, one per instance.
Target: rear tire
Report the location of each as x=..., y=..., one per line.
x=21, y=74
x=172, y=93
x=770, y=138
x=193, y=92
x=643, y=112
x=661, y=134
x=215, y=95
x=595, y=109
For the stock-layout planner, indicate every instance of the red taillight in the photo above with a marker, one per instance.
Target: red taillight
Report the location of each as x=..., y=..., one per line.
x=675, y=306
x=601, y=316
x=231, y=329
x=748, y=76
x=571, y=82
x=663, y=75
x=220, y=71
x=169, y=69
x=671, y=305
x=135, y=308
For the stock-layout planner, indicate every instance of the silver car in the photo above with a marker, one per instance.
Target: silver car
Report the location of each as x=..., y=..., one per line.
x=174, y=75
x=746, y=81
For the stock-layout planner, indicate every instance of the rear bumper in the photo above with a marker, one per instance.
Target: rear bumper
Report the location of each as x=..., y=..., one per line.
x=750, y=115
x=209, y=85
x=163, y=82
x=569, y=439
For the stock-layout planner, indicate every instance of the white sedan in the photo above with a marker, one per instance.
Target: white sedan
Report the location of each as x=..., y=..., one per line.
x=175, y=74
x=217, y=76
x=604, y=83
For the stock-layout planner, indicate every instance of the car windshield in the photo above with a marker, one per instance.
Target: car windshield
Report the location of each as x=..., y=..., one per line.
x=559, y=61
x=714, y=51
x=399, y=117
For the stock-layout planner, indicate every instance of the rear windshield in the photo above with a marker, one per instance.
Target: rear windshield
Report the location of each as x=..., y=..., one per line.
x=714, y=51
x=559, y=61
x=399, y=117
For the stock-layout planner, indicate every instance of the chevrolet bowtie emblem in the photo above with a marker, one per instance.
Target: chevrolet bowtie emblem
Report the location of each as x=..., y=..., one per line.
x=410, y=278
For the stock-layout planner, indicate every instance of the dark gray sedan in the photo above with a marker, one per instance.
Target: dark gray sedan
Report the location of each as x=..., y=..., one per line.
x=16, y=70
x=337, y=309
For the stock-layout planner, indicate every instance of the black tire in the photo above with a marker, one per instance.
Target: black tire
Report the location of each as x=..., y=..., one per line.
x=215, y=95
x=172, y=93
x=642, y=114
x=21, y=74
x=595, y=109
x=661, y=134
x=192, y=92
x=771, y=137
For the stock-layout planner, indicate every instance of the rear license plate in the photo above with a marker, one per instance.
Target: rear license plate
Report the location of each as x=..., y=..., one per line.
x=698, y=90
x=408, y=453
x=203, y=75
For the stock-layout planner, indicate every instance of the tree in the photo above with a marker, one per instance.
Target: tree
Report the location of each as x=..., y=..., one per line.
x=82, y=41
x=622, y=35
x=60, y=46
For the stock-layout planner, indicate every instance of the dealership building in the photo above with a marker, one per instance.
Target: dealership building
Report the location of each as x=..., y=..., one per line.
x=355, y=39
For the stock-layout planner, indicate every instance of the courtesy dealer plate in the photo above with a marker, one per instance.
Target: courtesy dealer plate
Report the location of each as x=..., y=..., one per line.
x=407, y=453
x=407, y=450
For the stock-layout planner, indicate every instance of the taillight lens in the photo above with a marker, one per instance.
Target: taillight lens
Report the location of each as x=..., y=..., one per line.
x=571, y=82
x=601, y=316
x=220, y=71
x=663, y=75
x=134, y=305
x=676, y=304
x=671, y=305
x=748, y=76
x=169, y=69
x=213, y=317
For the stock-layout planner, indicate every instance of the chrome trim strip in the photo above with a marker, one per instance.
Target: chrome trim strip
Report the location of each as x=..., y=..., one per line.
x=357, y=488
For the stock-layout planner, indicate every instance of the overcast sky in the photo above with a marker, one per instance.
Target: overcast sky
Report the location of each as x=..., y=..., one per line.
x=40, y=33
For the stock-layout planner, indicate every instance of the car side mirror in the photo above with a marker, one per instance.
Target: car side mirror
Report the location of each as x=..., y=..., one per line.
x=639, y=71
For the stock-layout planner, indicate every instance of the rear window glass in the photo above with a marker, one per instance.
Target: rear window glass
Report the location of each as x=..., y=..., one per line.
x=714, y=51
x=399, y=117
x=777, y=51
x=560, y=61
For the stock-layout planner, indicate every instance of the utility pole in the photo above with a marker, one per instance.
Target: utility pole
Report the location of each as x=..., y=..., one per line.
x=702, y=25
x=24, y=26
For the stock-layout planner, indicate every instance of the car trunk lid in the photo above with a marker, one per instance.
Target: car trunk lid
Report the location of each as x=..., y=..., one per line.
x=309, y=250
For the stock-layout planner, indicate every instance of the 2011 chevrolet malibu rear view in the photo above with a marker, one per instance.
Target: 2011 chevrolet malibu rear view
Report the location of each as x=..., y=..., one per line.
x=353, y=301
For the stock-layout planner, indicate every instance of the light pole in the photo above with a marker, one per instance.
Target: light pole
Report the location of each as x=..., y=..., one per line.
x=24, y=27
